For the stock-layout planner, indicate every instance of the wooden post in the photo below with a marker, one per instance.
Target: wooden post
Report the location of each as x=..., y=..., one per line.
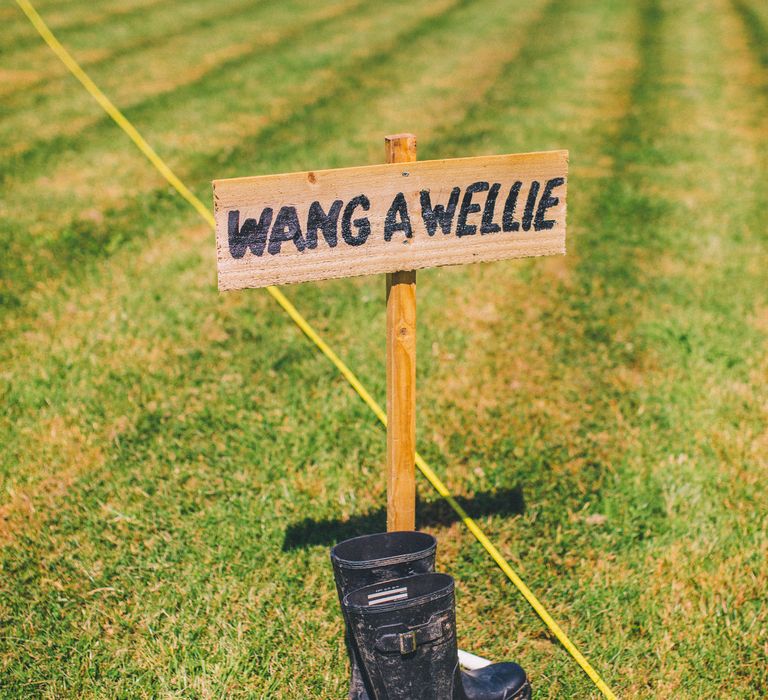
x=401, y=374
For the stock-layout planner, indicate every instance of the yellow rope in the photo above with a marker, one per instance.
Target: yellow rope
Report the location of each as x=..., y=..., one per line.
x=120, y=119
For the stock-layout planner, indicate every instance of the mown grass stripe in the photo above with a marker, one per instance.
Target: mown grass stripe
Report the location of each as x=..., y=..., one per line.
x=466, y=133
x=756, y=27
x=56, y=10
x=23, y=39
x=141, y=42
x=213, y=78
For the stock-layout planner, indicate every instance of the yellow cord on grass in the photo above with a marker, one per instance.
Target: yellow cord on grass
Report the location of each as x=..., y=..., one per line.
x=108, y=106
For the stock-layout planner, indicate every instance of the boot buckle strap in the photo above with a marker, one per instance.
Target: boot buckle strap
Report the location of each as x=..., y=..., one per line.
x=408, y=642
x=399, y=638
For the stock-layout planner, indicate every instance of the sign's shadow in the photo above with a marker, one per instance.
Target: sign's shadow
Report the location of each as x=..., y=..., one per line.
x=311, y=532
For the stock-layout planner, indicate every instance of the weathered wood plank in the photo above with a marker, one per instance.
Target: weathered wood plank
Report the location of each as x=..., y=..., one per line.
x=279, y=229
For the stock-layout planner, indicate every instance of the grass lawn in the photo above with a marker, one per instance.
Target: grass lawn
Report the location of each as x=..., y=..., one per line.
x=175, y=463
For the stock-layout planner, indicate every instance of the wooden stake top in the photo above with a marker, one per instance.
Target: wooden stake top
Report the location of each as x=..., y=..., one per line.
x=400, y=148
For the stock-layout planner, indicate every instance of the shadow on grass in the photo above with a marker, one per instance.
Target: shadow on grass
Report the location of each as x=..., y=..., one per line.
x=310, y=532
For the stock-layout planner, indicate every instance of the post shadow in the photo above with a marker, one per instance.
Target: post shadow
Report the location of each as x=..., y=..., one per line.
x=310, y=532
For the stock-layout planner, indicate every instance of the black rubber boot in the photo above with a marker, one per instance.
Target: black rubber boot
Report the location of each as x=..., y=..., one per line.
x=405, y=634
x=370, y=559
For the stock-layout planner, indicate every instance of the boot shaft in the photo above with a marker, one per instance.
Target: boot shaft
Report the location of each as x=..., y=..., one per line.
x=405, y=633
x=369, y=559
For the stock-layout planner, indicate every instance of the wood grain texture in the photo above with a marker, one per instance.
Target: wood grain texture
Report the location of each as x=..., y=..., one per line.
x=401, y=375
x=258, y=259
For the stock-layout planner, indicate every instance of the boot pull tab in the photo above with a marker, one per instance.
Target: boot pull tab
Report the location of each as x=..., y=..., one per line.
x=405, y=640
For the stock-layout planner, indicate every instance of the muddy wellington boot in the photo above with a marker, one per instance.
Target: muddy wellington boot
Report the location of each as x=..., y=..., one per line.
x=405, y=634
x=369, y=559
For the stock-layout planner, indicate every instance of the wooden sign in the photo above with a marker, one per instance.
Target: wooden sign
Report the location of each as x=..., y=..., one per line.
x=279, y=229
